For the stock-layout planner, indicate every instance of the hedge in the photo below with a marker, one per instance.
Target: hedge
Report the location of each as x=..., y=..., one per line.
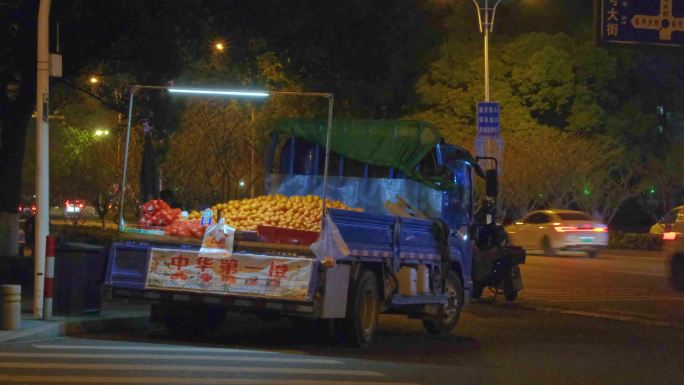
x=86, y=234
x=635, y=241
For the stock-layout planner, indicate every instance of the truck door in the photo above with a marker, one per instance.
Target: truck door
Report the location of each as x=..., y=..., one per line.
x=457, y=202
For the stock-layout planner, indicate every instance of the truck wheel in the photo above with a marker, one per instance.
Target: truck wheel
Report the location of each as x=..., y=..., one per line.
x=510, y=290
x=546, y=247
x=363, y=308
x=190, y=321
x=677, y=271
x=450, y=312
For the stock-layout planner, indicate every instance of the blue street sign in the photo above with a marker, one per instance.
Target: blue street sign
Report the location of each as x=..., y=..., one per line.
x=658, y=22
x=487, y=119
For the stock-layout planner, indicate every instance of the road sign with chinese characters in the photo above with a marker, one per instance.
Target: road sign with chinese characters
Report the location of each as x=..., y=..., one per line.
x=487, y=119
x=658, y=22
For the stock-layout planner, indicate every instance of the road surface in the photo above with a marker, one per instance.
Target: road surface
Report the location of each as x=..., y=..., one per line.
x=610, y=320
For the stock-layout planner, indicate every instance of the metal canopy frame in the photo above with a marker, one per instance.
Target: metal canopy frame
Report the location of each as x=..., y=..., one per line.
x=232, y=93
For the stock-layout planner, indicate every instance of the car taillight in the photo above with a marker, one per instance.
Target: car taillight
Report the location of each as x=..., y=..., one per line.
x=669, y=236
x=563, y=229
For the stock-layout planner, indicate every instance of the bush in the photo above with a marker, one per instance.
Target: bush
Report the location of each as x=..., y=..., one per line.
x=635, y=241
x=85, y=234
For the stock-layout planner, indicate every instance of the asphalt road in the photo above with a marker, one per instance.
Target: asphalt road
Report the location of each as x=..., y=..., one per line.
x=610, y=320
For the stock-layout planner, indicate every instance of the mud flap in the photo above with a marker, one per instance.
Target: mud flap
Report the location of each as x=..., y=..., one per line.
x=336, y=290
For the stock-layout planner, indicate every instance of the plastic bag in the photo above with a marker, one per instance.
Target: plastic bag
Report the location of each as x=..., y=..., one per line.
x=218, y=239
x=330, y=245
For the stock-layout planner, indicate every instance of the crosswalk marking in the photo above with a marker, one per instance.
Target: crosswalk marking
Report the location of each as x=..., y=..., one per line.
x=186, y=368
x=182, y=381
x=169, y=348
x=184, y=357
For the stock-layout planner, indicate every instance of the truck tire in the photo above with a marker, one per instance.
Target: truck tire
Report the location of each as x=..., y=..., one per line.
x=510, y=290
x=193, y=321
x=358, y=329
x=451, y=312
x=677, y=271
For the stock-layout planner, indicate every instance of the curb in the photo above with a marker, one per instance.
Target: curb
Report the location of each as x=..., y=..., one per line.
x=634, y=253
x=53, y=329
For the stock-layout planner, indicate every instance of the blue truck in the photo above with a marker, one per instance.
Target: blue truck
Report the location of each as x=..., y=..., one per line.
x=415, y=249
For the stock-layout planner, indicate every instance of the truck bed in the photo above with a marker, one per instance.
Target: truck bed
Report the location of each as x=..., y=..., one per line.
x=371, y=238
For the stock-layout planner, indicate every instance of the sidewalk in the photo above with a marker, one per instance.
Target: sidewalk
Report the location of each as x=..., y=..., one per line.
x=113, y=316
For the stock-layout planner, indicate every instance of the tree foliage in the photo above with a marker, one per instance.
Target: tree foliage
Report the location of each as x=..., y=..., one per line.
x=570, y=121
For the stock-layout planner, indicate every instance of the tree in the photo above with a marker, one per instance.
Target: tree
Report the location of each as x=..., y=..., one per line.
x=555, y=91
x=211, y=155
x=87, y=151
x=149, y=42
x=552, y=169
x=17, y=100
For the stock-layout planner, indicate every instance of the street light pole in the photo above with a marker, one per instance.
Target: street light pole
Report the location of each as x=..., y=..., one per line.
x=486, y=63
x=486, y=26
x=485, y=18
x=42, y=155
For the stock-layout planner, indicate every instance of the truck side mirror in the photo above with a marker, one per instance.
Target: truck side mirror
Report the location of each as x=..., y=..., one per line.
x=491, y=183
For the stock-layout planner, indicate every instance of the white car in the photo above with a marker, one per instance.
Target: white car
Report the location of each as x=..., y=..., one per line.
x=552, y=231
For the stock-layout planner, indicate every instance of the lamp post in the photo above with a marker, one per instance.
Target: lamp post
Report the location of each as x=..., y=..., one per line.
x=485, y=144
x=486, y=26
x=42, y=155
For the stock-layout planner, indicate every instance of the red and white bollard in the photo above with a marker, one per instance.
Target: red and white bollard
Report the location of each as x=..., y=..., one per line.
x=49, y=277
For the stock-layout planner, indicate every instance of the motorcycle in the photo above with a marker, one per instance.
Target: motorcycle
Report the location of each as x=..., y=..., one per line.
x=498, y=269
x=496, y=262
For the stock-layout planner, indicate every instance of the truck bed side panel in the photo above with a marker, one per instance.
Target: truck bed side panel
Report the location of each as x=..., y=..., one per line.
x=417, y=239
x=370, y=235
x=127, y=266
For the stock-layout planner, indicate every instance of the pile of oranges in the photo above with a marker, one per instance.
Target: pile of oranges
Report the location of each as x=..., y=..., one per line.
x=297, y=212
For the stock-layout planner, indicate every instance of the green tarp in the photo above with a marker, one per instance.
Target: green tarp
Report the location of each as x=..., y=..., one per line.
x=400, y=144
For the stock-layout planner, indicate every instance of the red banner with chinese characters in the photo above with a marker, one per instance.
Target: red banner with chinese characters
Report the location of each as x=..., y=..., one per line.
x=250, y=275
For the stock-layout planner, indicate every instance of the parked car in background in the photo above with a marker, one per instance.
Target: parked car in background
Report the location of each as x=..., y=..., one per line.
x=27, y=207
x=672, y=221
x=73, y=207
x=551, y=231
